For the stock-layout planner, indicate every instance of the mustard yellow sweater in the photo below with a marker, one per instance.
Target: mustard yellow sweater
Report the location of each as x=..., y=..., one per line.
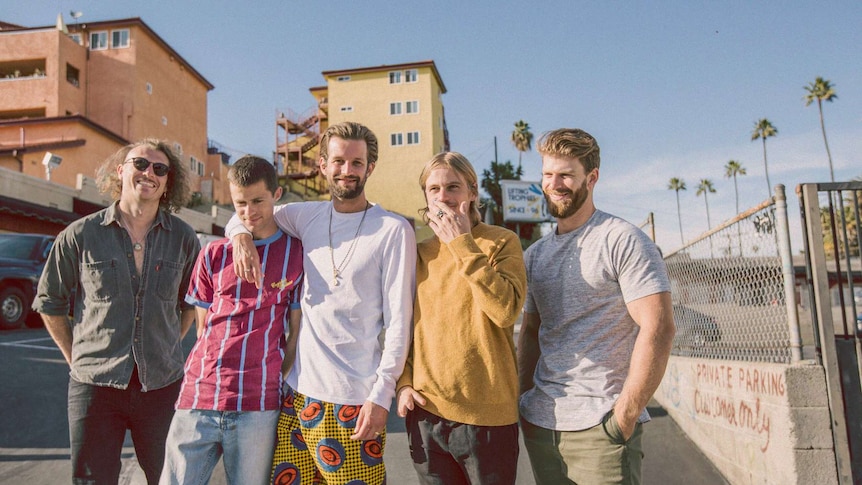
x=469, y=294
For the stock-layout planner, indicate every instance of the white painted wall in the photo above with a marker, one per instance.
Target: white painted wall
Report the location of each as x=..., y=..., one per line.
x=758, y=423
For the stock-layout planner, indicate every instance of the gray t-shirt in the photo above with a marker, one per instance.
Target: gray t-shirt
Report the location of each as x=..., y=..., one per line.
x=579, y=284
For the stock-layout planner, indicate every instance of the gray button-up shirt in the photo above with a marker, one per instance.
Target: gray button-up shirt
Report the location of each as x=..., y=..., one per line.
x=121, y=319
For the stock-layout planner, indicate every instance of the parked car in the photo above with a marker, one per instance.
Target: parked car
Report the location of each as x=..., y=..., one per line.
x=22, y=257
x=694, y=329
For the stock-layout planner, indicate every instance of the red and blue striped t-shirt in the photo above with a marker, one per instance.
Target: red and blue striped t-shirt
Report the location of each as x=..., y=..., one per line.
x=235, y=365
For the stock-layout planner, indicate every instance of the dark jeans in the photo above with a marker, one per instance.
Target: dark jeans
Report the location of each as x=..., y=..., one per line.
x=451, y=453
x=98, y=420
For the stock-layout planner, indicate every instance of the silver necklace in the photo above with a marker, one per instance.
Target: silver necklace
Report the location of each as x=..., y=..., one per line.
x=137, y=246
x=336, y=270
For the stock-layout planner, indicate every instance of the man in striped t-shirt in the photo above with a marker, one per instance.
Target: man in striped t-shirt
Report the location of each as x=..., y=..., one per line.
x=230, y=402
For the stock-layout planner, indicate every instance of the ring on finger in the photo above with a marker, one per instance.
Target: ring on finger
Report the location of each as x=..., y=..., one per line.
x=248, y=271
x=440, y=214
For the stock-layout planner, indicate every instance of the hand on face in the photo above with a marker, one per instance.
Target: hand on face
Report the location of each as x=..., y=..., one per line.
x=448, y=222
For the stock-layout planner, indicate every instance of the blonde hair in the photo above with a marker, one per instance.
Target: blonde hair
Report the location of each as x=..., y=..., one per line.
x=176, y=194
x=572, y=143
x=462, y=167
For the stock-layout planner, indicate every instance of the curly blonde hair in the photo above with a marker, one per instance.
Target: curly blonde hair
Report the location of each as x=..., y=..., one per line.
x=176, y=194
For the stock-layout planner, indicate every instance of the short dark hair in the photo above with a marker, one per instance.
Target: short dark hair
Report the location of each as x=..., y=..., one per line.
x=572, y=143
x=250, y=169
x=350, y=130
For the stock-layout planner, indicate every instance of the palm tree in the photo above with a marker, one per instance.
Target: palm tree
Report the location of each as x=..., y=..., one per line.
x=522, y=138
x=491, y=184
x=822, y=90
x=732, y=169
x=763, y=129
x=677, y=184
x=705, y=187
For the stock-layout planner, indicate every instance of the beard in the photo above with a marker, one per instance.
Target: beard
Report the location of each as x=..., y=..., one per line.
x=567, y=208
x=346, y=193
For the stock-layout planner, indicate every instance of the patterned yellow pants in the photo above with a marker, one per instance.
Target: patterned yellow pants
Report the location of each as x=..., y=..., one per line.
x=314, y=445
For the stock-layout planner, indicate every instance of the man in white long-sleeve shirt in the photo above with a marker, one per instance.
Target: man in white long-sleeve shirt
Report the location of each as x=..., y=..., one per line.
x=360, y=265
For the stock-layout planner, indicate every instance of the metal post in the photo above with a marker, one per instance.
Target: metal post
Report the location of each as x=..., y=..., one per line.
x=783, y=232
x=823, y=305
x=652, y=226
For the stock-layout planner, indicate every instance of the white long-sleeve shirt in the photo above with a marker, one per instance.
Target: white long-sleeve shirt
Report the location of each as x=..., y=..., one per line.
x=355, y=336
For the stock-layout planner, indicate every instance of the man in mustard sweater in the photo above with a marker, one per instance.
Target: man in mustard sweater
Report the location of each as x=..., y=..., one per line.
x=459, y=389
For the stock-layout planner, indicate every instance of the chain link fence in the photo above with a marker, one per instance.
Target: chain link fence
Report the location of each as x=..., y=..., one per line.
x=728, y=290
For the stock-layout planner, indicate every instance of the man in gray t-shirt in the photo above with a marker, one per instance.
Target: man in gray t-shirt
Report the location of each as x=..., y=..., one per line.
x=597, y=328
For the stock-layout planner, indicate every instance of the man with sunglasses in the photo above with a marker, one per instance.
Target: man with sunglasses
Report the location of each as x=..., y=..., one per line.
x=129, y=267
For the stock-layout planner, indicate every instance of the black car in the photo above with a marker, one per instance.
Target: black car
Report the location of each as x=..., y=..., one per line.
x=22, y=257
x=694, y=330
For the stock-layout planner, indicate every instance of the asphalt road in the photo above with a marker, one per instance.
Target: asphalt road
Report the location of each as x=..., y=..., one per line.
x=34, y=439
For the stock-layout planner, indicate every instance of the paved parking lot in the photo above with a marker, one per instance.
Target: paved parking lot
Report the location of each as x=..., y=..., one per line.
x=34, y=440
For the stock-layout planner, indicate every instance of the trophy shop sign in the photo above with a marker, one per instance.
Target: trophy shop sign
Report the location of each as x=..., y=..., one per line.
x=523, y=202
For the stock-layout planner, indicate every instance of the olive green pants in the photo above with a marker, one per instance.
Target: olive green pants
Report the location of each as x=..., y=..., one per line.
x=597, y=455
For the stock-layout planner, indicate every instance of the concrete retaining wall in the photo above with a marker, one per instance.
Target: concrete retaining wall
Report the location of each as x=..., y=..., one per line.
x=38, y=191
x=758, y=423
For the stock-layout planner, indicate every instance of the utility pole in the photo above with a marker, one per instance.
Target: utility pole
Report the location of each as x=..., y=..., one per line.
x=495, y=150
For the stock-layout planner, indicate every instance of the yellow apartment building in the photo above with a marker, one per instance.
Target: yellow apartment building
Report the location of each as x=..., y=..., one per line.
x=81, y=92
x=401, y=103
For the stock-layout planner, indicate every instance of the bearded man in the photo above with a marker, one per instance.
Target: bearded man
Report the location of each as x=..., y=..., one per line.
x=597, y=328
x=357, y=313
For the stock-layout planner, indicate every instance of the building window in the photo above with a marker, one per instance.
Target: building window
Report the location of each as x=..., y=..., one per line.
x=395, y=108
x=411, y=75
x=178, y=150
x=149, y=88
x=98, y=41
x=413, y=138
x=342, y=78
x=73, y=75
x=395, y=77
x=119, y=38
x=346, y=109
x=197, y=166
x=412, y=107
x=165, y=120
x=397, y=139
x=76, y=38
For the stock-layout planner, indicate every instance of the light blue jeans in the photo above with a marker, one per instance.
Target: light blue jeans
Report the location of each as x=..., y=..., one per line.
x=198, y=438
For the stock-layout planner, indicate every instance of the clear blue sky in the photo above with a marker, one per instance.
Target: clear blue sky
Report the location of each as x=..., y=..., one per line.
x=669, y=89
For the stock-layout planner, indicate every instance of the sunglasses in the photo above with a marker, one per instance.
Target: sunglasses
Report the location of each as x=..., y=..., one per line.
x=160, y=169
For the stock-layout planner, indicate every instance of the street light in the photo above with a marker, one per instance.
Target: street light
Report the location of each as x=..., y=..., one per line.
x=76, y=15
x=50, y=161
